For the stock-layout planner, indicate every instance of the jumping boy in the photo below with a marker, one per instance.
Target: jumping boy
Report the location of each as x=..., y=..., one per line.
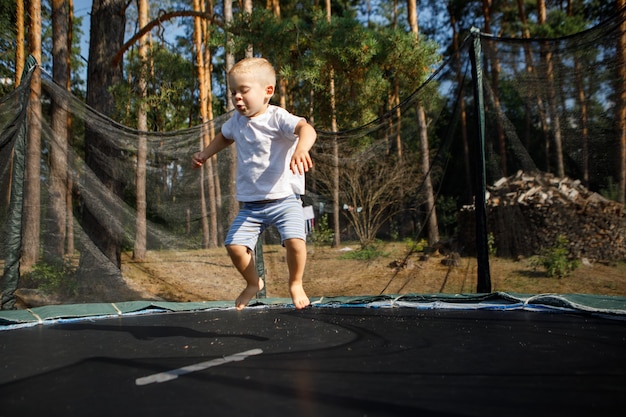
x=272, y=157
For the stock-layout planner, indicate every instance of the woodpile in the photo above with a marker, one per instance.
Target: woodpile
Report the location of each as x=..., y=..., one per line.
x=527, y=212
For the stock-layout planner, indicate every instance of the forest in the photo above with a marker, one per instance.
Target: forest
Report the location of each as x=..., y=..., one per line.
x=357, y=70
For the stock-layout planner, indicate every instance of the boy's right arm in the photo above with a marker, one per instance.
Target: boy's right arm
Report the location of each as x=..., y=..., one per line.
x=217, y=144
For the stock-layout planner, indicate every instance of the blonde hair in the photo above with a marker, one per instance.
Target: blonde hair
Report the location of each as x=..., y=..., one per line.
x=259, y=67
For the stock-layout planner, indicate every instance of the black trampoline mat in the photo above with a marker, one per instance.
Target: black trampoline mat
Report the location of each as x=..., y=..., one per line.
x=347, y=361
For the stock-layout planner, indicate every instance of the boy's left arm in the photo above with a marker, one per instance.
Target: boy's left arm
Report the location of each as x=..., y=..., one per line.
x=301, y=160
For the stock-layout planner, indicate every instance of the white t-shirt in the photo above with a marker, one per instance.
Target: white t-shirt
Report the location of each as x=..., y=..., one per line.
x=265, y=144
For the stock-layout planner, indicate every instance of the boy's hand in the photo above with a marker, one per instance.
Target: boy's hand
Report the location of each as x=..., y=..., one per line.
x=301, y=162
x=197, y=160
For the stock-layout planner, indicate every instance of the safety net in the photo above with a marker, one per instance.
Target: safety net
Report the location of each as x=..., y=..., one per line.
x=497, y=180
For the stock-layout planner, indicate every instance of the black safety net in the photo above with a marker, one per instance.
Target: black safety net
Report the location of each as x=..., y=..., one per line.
x=94, y=211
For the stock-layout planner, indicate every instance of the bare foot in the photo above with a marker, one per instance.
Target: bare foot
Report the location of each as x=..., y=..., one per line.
x=299, y=297
x=248, y=294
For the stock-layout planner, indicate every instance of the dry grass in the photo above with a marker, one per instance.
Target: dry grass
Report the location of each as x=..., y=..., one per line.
x=209, y=275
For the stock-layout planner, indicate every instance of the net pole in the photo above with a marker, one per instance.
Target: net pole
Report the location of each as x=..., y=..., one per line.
x=482, y=249
x=13, y=240
x=260, y=267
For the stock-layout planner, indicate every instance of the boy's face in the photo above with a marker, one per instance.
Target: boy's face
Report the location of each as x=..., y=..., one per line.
x=250, y=97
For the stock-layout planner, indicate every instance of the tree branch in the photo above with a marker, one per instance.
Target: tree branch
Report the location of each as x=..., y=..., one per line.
x=163, y=17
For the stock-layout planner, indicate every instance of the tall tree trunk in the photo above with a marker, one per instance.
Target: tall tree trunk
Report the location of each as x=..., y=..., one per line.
x=528, y=58
x=555, y=119
x=209, y=217
x=69, y=215
x=432, y=227
x=275, y=5
x=530, y=68
x=541, y=12
x=554, y=115
x=282, y=83
x=495, y=83
x=215, y=189
x=139, y=249
x=108, y=21
x=462, y=110
x=398, y=128
x=20, y=57
x=582, y=103
x=394, y=99
x=621, y=110
x=233, y=206
x=197, y=36
x=247, y=9
x=584, y=111
x=32, y=191
x=333, y=128
x=541, y=19
x=54, y=244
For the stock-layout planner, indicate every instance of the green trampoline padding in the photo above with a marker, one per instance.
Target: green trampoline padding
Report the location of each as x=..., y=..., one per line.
x=583, y=303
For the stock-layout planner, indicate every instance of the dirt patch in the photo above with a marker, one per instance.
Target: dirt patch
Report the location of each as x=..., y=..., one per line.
x=209, y=275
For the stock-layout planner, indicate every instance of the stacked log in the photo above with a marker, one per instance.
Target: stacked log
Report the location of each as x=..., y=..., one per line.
x=527, y=212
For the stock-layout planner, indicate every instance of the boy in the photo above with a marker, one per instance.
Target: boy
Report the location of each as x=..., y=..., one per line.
x=272, y=157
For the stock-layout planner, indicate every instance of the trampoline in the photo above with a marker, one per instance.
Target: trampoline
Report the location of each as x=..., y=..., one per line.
x=111, y=350
x=489, y=355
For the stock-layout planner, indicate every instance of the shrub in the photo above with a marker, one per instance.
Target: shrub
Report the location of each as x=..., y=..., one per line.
x=416, y=246
x=367, y=253
x=323, y=233
x=556, y=259
x=55, y=278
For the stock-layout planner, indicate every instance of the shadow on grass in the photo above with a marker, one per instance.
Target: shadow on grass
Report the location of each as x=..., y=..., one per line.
x=526, y=273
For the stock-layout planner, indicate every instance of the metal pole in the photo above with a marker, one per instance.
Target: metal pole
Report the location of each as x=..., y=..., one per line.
x=260, y=266
x=482, y=247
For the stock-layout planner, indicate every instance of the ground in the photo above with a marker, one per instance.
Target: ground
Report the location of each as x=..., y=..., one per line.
x=209, y=275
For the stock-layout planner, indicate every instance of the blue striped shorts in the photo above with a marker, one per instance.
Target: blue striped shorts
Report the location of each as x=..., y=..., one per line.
x=285, y=214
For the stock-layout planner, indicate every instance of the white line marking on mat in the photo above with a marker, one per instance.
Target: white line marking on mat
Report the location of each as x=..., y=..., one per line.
x=175, y=373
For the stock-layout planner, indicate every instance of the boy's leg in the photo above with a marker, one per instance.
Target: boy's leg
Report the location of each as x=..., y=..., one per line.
x=296, y=261
x=243, y=259
x=288, y=217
